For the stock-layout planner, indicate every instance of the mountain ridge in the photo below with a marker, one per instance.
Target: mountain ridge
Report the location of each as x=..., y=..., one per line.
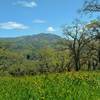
x=36, y=41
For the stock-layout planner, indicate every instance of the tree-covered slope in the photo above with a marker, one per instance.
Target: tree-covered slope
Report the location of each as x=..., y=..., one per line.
x=32, y=42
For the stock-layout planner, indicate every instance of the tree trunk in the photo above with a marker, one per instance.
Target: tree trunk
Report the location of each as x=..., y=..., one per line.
x=89, y=65
x=77, y=63
x=99, y=55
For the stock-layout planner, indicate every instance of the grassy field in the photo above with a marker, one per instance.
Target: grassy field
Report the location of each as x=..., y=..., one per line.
x=66, y=86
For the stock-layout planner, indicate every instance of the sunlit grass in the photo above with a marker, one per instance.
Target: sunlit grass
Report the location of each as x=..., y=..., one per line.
x=65, y=86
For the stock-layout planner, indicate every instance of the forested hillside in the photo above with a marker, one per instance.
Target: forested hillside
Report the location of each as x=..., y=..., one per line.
x=24, y=50
x=48, y=53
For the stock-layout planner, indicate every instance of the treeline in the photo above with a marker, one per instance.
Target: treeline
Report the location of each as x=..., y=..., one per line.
x=43, y=61
x=78, y=50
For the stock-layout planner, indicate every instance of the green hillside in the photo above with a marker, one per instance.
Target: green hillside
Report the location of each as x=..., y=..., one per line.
x=21, y=55
x=32, y=42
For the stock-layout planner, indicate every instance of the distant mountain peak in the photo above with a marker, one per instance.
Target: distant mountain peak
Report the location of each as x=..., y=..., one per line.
x=35, y=41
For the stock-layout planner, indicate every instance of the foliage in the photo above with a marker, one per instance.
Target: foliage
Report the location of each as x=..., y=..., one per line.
x=18, y=60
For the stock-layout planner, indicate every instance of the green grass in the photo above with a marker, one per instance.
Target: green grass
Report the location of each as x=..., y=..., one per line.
x=66, y=86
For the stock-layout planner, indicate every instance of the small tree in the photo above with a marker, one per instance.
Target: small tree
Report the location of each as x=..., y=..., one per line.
x=62, y=59
x=46, y=60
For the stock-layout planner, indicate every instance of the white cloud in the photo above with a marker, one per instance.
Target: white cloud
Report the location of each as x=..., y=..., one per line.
x=29, y=4
x=12, y=25
x=39, y=21
x=50, y=29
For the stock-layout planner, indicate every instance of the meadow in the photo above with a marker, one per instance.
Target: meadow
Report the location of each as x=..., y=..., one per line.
x=64, y=86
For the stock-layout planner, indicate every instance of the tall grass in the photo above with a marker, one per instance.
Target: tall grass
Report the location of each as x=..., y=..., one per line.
x=66, y=86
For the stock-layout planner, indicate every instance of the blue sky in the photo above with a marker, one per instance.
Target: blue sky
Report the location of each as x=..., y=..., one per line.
x=27, y=17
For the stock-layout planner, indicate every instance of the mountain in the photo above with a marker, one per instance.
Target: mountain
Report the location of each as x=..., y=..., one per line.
x=32, y=42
